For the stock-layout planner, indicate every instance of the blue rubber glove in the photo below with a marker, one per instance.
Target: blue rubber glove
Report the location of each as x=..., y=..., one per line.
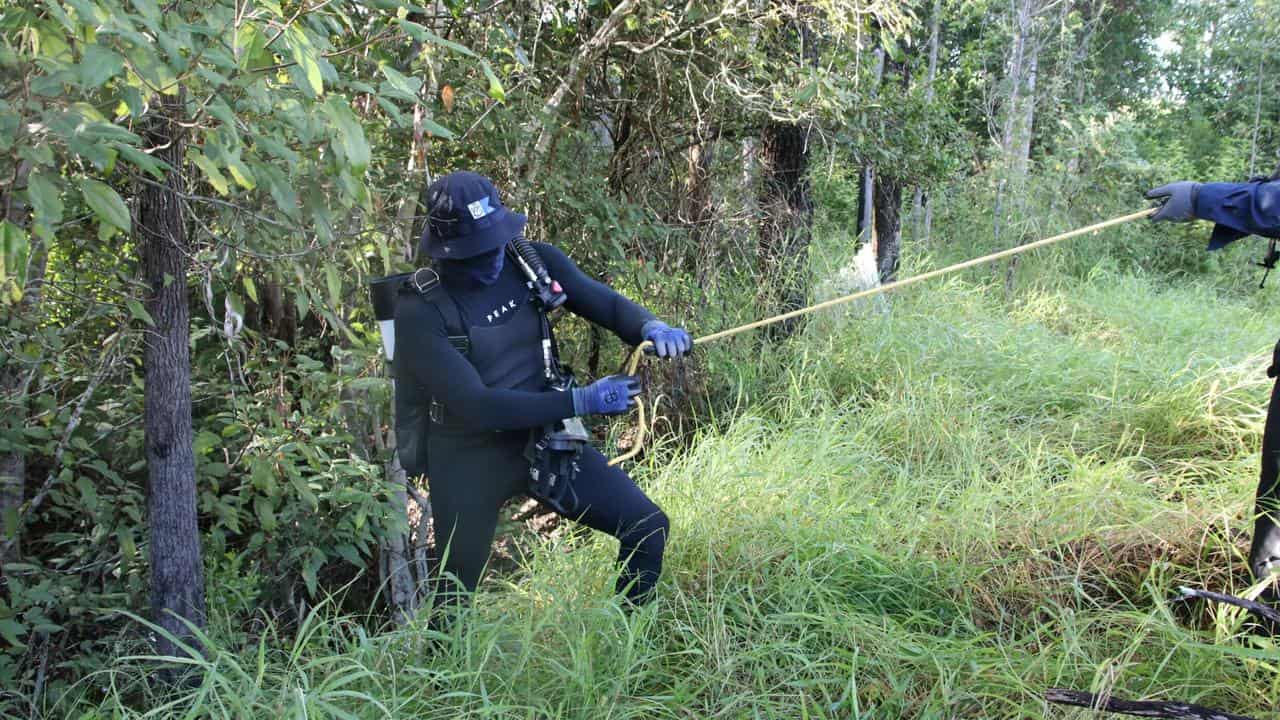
x=610, y=395
x=1181, y=203
x=668, y=342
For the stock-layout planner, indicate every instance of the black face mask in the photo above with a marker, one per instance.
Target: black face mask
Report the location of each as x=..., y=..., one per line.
x=481, y=269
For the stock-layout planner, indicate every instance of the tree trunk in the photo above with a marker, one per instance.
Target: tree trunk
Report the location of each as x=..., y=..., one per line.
x=402, y=587
x=530, y=156
x=1019, y=122
x=14, y=381
x=866, y=208
x=1079, y=64
x=13, y=465
x=921, y=208
x=867, y=185
x=1026, y=117
x=888, y=197
x=786, y=226
x=177, y=578
x=888, y=219
x=697, y=208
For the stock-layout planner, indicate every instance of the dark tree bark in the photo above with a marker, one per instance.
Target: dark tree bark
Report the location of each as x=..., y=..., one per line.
x=880, y=194
x=888, y=219
x=887, y=194
x=696, y=207
x=786, y=228
x=279, y=314
x=177, y=577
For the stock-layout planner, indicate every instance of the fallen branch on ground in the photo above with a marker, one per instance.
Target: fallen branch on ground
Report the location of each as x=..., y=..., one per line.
x=1254, y=607
x=1143, y=708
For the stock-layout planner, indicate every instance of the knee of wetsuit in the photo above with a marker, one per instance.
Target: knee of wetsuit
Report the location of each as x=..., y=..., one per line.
x=649, y=535
x=1274, y=370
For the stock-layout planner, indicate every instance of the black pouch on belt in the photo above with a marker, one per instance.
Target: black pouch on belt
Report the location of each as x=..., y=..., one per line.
x=553, y=453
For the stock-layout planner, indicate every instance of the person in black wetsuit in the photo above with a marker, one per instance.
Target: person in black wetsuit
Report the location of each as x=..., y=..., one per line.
x=1238, y=210
x=485, y=402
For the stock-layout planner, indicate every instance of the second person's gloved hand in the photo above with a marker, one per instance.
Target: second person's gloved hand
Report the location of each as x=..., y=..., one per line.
x=1181, y=203
x=611, y=395
x=668, y=342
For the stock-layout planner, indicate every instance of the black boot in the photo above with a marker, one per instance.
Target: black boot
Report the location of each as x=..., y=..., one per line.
x=1264, y=553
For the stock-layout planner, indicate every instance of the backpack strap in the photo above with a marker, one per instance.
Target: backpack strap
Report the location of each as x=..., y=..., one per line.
x=425, y=282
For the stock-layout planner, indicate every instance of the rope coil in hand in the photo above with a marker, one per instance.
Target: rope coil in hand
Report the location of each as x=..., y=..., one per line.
x=633, y=361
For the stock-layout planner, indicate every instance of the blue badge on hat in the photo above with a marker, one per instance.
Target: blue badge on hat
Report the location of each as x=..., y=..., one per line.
x=480, y=208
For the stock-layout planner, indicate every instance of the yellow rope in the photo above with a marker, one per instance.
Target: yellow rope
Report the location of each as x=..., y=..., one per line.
x=633, y=362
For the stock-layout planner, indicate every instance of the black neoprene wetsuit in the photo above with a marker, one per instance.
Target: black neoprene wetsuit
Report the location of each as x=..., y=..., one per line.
x=493, y=397
x=1241, y=209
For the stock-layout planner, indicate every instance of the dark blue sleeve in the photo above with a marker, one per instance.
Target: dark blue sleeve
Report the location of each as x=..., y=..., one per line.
x=594, y=300
x=424, y=356
x=1240, y=209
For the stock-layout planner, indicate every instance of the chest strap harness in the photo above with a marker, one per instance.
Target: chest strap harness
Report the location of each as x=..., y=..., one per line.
x=554, y=451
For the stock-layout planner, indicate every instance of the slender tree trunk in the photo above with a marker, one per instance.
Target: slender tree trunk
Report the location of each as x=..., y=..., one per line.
x=866, y=208
x=888, y=212
x=880, y=198
x=888, y=199
x=787, y=204
x=14, y=381
x=13, y=464
x=867, y=184
x=1013, y=83
x=177, y=578
x=1019, y=122
x=1026, y=117
x=1079, y=64
x=695, y=206
x=403, y=588
x=921, y=208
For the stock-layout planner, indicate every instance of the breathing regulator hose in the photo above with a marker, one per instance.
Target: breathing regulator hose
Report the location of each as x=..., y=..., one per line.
x=633, y=361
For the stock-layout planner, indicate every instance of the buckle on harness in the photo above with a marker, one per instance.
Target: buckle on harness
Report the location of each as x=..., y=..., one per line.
x=424, y=284
x=436, y=412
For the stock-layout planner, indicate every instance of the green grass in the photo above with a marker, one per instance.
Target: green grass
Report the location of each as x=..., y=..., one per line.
x=936, y=512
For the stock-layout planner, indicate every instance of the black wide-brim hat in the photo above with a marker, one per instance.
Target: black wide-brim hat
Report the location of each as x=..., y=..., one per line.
x=465, y=218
